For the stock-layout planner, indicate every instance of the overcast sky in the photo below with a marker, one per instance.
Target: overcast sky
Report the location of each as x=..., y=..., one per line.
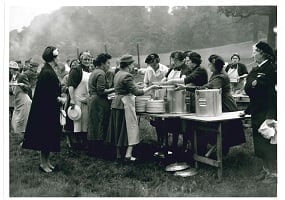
x=22, y=12
x=22, y=15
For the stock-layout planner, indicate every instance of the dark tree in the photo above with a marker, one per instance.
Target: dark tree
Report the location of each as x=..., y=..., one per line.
x=242, y=12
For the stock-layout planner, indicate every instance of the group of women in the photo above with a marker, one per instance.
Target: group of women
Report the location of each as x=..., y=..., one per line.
x=115, y=121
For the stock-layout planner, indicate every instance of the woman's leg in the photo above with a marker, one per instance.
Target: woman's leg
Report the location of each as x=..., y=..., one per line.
x=48, y=161
x=44, y=161
x=129, y=151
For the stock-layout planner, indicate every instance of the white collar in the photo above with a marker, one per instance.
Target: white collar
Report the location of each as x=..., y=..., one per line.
x=262, y=63
x=158, y=69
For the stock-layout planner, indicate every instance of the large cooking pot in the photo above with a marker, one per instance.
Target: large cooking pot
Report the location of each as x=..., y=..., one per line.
x=175, y=100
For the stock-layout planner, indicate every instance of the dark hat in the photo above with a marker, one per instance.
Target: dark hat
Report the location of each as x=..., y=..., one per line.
x=126, y=59
x=34, y=64
x=235, y=54
x=50, y=53
x=263, y=46
x=151, y=58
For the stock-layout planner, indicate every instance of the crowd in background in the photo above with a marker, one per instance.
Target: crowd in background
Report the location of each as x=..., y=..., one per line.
x=94, y=103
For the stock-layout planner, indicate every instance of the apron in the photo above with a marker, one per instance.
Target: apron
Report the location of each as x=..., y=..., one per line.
x=131, y=119
x=81, y=95
x=235, y=83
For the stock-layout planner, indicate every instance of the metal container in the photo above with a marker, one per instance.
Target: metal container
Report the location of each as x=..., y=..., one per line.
x=208, y=102
x=175, y=100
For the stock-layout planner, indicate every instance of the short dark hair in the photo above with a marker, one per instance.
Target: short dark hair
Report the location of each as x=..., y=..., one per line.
x=48, y=54
x=179, y=55
x=101, y=59
x=151, y=58
x=235, y=54
x=195, y=58
x=217, y=61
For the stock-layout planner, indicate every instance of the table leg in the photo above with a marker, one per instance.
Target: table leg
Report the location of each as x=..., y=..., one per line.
x=219, y=151
x=195, y=147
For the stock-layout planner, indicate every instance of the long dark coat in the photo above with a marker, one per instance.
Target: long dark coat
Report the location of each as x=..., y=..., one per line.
x=263, y=105
x=43, y=127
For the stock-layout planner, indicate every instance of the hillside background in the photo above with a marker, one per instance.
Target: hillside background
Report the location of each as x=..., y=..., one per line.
x=120, y=28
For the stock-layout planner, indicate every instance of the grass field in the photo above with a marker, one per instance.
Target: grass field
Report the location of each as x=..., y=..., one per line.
x=83, y=176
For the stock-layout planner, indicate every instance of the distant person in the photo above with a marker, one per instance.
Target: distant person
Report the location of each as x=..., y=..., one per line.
x=260, y=87
x=13, y=78
x=22, y=106
x=69, y=127
x=78, y=91
x=61, y=71
x=237, y=73
x=43, y=127
x=32, y=74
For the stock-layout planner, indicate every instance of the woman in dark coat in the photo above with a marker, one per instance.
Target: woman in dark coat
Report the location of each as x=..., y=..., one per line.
x=43, y=127
x=260, y=87
x=233, y=133
x=99, y=107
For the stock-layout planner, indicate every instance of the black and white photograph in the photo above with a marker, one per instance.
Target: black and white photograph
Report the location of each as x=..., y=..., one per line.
x=141, y=99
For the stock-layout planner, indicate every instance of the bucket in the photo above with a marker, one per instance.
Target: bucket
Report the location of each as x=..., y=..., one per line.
x=176, y=100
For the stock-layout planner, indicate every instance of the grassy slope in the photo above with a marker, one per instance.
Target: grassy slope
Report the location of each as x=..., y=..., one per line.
x=226, y=51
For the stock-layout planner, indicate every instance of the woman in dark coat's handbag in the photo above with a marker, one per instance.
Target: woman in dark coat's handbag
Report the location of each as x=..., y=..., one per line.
x=260, y=87
x=43, y=128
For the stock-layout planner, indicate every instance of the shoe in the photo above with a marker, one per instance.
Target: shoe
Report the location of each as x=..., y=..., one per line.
x=159, y=154
x=261, y=175
x=43, y=170
x=130, y=160
x=270, y=178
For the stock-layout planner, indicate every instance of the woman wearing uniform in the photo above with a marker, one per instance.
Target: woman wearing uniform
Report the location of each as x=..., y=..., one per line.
x=260, y=87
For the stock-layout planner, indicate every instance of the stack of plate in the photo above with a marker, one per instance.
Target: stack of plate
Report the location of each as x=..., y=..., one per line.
x=155, y=106
x=141, y=103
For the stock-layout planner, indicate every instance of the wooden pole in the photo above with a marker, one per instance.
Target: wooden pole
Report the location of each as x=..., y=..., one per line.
x=106, y=51
x=77, y=52
x=138, y=51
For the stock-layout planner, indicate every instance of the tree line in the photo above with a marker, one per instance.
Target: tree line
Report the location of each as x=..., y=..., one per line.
x=118, y=29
